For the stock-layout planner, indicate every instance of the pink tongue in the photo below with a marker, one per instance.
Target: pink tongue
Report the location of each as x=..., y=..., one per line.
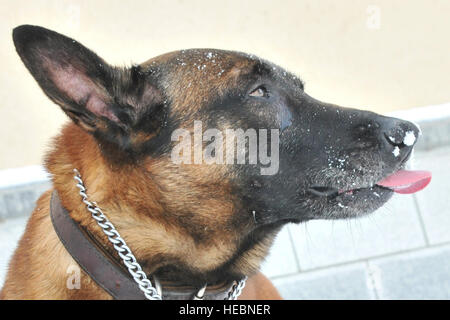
x=405, y=181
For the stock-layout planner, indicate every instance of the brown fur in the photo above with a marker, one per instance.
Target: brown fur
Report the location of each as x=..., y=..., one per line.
x=170, y=215
x=140, y=221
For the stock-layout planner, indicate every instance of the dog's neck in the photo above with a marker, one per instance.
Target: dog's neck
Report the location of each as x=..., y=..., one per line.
x=141, y=219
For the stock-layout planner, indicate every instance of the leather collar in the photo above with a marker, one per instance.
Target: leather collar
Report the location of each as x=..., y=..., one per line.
x=104, y=269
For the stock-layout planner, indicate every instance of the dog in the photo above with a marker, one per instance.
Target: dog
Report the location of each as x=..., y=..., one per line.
x=191, y=223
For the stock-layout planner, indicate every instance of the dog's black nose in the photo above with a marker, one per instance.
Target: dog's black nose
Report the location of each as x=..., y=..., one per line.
x=399, y=136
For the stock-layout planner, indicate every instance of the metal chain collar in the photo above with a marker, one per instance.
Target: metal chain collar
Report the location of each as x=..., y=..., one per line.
x=129, y=259
x=236, y=291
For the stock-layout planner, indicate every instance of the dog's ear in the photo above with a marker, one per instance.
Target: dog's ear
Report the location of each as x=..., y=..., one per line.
x=109, y=102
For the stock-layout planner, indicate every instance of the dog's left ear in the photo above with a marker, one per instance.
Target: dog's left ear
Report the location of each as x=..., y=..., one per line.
x=114, y=104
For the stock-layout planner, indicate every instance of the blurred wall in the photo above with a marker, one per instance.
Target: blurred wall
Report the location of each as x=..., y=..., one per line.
x=378, y=55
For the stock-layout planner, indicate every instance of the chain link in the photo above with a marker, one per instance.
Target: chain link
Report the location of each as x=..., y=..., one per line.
x=125, y=253
x=119, y=244
x=236, y=290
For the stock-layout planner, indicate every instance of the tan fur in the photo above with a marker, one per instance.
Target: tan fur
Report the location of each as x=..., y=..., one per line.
x=140, y=219
x=149, y=206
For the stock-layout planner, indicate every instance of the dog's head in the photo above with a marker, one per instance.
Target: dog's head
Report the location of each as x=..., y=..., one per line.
x=234, y=144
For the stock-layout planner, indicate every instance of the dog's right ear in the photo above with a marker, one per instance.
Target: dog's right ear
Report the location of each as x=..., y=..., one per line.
x=89, y=90
x=69, y=74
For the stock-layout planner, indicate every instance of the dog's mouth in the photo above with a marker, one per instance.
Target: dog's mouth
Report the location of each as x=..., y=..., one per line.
x=334, y=203
x=402, y=181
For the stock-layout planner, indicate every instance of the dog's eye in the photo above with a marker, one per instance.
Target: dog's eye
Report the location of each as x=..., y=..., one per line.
x=260, y=92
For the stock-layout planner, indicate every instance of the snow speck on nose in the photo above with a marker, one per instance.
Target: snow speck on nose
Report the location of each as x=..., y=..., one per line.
x=409, y=138
x=396, y=151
